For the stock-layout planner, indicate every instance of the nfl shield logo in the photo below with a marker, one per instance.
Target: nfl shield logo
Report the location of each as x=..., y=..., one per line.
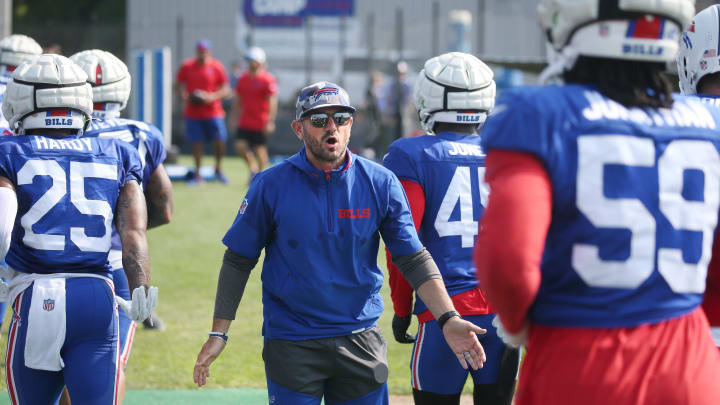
x=243, y=206
x=48, y=304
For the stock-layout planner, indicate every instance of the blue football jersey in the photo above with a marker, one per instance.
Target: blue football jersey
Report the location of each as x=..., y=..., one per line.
x=450, y=168
x=636, y=193
x=146, y=138
x=67, y=189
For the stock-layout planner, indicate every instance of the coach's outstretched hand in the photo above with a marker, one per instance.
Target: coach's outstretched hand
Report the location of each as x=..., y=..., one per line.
x=461, y=337
x=209, y=352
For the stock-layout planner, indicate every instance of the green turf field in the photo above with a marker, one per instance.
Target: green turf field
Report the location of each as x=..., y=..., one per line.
x=186, y=257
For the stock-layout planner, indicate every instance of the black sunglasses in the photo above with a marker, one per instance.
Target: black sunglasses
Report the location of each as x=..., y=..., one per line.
x=320, y=120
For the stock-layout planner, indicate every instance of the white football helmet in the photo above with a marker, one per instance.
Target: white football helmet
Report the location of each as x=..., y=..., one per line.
x=642, y=30
x=41, y=89
x=454, y=87
x=17, y=49
x=109, y=78
x=699, y=49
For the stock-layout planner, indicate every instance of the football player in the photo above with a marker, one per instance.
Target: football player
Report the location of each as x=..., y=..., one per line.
x=60, y=194
x=110, y=81
x=443, y=172
x=699, y=72
x=604, y=197
x=14, y=50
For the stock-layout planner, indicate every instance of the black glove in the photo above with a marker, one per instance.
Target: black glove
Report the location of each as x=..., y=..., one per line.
x=400, y=326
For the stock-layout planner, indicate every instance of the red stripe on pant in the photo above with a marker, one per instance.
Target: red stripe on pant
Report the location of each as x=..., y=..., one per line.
x=10, y=354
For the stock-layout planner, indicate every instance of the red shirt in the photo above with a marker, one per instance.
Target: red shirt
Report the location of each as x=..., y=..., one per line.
x=255, y=92
x=209, y=77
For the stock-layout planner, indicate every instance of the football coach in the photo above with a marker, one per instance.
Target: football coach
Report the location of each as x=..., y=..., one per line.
x=319, y=216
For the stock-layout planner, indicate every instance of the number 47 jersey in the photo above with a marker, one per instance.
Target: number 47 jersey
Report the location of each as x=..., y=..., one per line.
x=636, y=193
x=67, y=190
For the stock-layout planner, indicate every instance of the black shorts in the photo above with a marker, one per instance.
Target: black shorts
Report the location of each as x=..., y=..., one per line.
x=342, y=368
x=253, y=138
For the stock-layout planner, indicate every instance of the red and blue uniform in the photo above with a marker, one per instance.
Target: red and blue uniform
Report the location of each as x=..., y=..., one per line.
x=148, y=141
x=443, y=178
x=598, y=235
x=67, y=189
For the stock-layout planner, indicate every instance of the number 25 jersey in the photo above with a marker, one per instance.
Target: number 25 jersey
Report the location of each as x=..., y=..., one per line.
x=636, y=193
x=67, y=189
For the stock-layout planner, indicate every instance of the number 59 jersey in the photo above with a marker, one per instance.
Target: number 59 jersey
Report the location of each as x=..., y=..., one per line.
x=636, y=193
x=450, y=169
x=67, y=189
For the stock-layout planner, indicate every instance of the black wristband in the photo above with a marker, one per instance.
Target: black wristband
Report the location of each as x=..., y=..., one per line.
x=445, y=317
x=221, y=335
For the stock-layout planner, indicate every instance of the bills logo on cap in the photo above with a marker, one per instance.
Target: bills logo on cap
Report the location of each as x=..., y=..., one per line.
x=324, y=93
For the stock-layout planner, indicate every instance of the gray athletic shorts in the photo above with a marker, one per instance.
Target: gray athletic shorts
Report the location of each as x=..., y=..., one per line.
x=343, y=368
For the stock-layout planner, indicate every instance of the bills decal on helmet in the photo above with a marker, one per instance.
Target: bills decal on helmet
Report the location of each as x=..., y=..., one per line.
x=650, y=27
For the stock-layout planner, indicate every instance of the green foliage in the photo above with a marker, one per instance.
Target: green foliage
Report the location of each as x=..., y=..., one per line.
x=75, y=25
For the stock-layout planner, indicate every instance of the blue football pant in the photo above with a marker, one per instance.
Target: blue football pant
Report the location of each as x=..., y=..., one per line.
x=90, y=352
x=127, y=326
x=278, y=395
x=435, y=368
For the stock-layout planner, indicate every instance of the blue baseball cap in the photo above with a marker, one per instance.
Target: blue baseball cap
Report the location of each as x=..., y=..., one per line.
x=320, y=95
x=204, y=44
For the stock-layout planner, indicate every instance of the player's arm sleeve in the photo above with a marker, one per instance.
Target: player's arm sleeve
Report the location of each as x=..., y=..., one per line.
x=234, y=275
x=253, y=225
x=8, y=211
x=512, y=234
x=131, y=168
x=401, y=292
x=711, y=301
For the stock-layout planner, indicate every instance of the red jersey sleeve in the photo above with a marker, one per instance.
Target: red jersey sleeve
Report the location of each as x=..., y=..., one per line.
x=401, y=291
x=512, y=234
x=711, y=301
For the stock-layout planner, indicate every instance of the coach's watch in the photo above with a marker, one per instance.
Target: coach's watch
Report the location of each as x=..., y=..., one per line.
x=445, y=317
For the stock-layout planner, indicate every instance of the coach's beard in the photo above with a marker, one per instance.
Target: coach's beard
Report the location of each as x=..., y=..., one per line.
x=331, y=148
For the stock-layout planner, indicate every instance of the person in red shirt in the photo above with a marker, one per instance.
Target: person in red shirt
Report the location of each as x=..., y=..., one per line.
x=254, y=111
x=203, y=83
